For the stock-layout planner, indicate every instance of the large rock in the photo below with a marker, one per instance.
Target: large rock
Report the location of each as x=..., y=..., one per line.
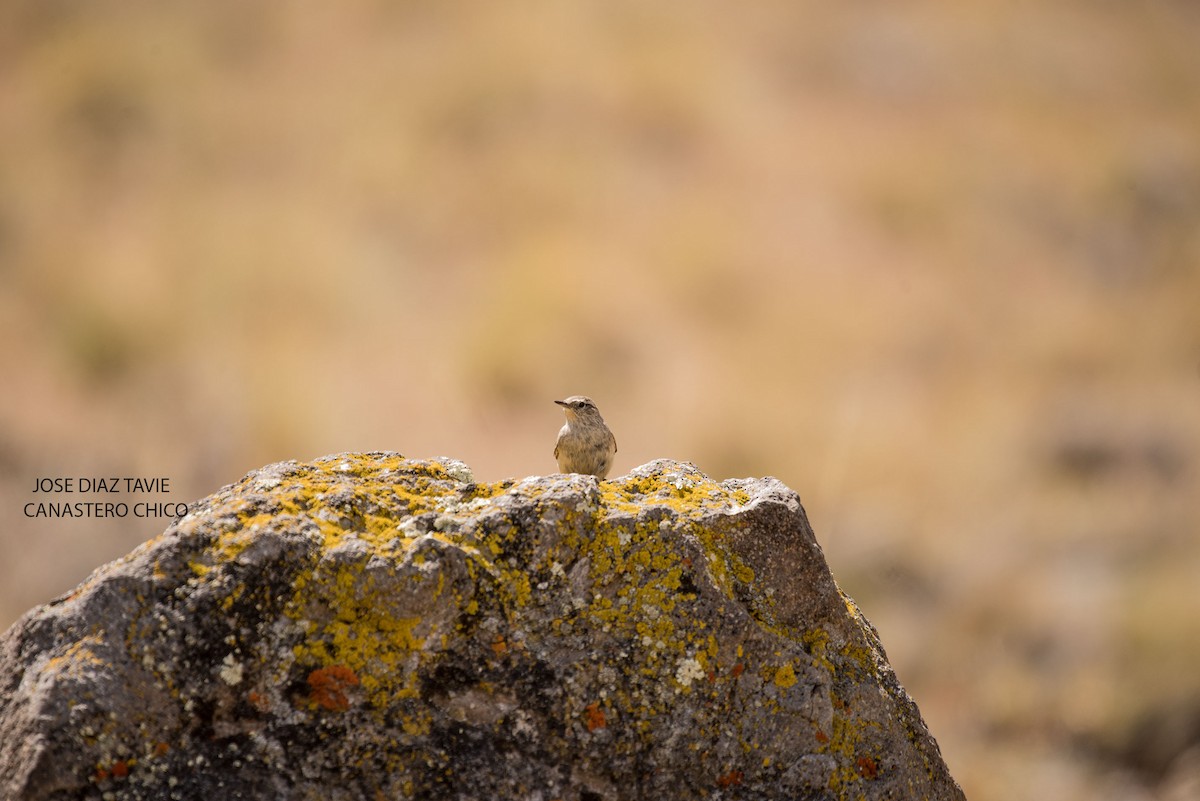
x=371, y=627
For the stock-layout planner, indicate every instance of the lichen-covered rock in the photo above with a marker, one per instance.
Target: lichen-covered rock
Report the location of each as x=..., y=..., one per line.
x=370, y=627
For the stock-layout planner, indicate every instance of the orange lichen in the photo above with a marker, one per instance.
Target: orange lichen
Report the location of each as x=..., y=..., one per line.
x=258, y=701
x=594, y=716
x=867, y=767
x=328, y=687
x=730, y=779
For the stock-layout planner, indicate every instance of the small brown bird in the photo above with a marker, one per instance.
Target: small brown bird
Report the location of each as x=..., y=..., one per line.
x=585, y=445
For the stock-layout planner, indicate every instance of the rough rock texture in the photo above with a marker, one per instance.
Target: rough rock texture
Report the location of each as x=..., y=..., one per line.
x=371, y=627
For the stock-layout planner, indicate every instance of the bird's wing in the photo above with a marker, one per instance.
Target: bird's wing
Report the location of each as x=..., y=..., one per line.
x=556, y=449
x=614, y=441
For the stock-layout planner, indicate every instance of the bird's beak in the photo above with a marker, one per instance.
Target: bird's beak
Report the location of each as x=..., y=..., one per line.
x=561, y=403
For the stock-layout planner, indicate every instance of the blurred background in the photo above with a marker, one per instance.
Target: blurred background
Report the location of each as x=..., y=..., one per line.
x=936, y=266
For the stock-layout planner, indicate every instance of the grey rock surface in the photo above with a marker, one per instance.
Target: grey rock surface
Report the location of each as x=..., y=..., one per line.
x=366, y=627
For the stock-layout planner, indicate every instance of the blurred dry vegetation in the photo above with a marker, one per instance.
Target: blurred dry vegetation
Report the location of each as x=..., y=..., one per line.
x=935, y=265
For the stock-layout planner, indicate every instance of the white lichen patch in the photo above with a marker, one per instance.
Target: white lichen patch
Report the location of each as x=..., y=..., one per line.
x=231, y=670
x=689, y=670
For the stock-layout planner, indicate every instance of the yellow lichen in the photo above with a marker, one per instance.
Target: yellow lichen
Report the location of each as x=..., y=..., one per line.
x=636, y=575
x=817, y=643
x=785, y=676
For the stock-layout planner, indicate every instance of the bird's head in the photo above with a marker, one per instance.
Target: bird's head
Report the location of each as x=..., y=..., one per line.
x=579, y=407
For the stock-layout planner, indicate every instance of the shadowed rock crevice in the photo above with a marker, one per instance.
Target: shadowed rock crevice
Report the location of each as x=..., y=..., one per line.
x=369, y=626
